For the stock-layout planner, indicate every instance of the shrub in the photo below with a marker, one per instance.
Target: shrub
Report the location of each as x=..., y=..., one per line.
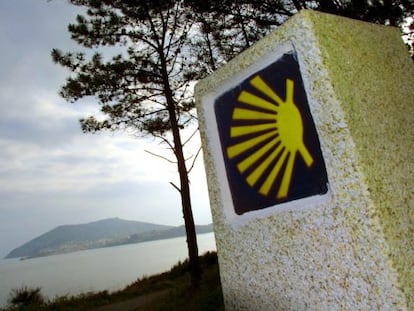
x=26, y=296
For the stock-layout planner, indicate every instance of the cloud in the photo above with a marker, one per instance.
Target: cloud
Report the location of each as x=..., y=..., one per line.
x=79, y=164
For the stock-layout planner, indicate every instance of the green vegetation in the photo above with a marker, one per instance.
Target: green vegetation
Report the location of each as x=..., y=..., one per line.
x=26, y=298
x=167, y=291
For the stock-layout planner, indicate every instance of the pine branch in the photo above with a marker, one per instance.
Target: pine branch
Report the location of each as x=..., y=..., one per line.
x=191, y=136
x=195, y=158
x=160, y=156
x=178, y=189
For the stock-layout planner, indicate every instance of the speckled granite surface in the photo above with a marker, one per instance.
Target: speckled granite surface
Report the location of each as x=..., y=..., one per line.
x=354, y=251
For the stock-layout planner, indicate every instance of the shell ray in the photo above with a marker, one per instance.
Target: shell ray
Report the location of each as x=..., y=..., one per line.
x=268, y=183
x=260, y=170
x=237, y=131
x=246, y=145
x=254, y=157
x=248, y=114
x=256, y=101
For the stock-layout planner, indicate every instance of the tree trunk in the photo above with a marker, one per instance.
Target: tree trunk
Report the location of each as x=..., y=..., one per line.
x=297, y=4
x=195, y=269
x=194, y=262
x=209, y=47
x=243, y=27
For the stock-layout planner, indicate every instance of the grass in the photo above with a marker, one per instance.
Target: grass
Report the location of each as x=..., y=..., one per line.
x=173, y=286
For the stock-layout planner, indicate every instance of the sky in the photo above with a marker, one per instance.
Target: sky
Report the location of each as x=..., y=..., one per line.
x=51, y=173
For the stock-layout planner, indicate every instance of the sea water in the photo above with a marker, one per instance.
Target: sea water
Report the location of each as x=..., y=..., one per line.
x=110, y=268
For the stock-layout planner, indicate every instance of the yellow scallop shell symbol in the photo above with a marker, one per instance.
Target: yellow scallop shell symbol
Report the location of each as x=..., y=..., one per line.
x=272, y=137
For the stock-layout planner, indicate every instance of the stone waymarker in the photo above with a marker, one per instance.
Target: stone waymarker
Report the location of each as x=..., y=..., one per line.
x=308, y=139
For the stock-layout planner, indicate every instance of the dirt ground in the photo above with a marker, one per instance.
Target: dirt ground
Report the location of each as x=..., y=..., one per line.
x=132, y=304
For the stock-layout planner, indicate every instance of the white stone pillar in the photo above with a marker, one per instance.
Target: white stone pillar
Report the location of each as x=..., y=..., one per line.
x=308, y=143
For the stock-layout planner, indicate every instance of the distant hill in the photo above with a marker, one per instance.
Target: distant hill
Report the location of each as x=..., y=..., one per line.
x=164, y=234
x=102, y=233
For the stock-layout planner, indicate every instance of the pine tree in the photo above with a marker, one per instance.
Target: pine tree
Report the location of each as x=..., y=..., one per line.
x=145, y=86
